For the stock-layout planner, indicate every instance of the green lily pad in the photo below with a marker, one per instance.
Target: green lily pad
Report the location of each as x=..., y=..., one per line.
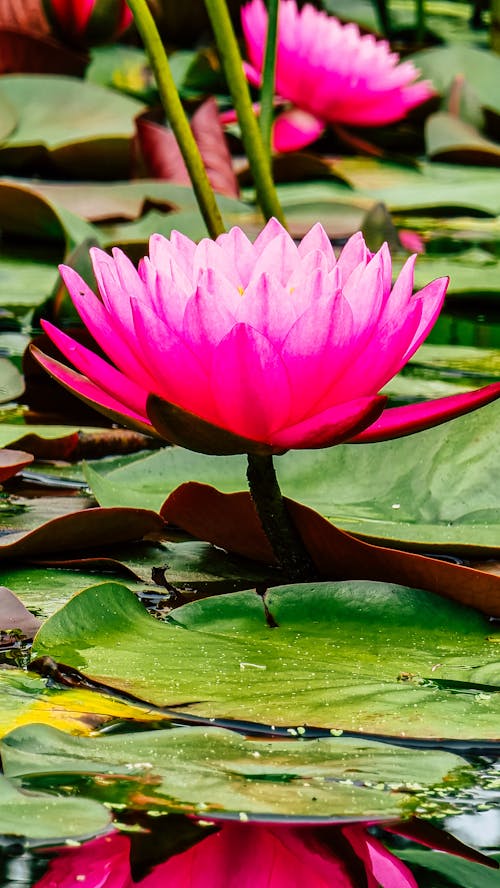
x=29, y=699
x=355, y=656
x=426, y=493
x=45, y=819
x=480, y=68
x=80, y=128
x=188, y=570
x=450, y=139
x=435, y=186
x=213, y=771
x=26, y=211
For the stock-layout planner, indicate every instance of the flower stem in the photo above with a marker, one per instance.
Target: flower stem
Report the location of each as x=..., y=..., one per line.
x=267, y=91
x=176, y=116
x=250, y=131
x=286, y=542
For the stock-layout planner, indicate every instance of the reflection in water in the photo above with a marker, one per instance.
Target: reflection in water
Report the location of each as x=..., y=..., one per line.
x=236, y=855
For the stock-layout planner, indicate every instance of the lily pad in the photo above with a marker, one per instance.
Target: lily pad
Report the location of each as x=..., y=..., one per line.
x=45, y=819
x=425, y=492
x=177, y=573
x=77, y=531
x=217, y=772
x=480, y=68
x=355, y=656
x=29, y=699
x=75, y=127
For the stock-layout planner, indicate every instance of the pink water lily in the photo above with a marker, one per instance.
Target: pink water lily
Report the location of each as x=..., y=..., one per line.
x=240, y=856
x=329, y=72
x=95, y=20
x=230, y=347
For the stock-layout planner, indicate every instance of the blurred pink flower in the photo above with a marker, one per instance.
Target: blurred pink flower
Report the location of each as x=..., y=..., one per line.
x=234, y=347
x=89, y=21
x=238, y=856
x=329, y=73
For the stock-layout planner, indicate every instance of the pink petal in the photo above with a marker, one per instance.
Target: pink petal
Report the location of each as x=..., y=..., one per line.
x=332, y=426
x=384, y=868
x=87, y=390
x=380, y=358
x=209, y=315
x=240, y=252
x=250, y=384
x=294, y=129
x=267, y=306
x=116, y=384
x=179, y=375
x=396, y=422
x=431, y=298
x=317, y=240
x=352, y=255
x=323, y=330
x=102, y=327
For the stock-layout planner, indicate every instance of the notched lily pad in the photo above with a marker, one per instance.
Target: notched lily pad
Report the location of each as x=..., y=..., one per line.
x=356, y=656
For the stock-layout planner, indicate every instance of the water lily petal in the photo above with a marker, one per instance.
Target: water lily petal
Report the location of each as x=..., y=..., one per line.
x=382, y=868
x=106, y=332
x=250, y=384
x=396, y=422
x=179, y=375
x=104, y=375
x=294, y=129
x=92, y=394
x=332, y=426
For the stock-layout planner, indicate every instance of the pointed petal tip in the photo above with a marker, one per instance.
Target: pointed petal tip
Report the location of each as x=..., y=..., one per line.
x=398, y=422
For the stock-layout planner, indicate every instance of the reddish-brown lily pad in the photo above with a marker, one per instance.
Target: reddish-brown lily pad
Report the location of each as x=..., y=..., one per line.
x=230, y=521
x=162, y=157
x=12, y=461
x=14, y=615
x=90, y=528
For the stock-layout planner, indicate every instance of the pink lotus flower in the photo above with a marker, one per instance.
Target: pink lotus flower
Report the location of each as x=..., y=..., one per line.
x=89, y=21
x=238, y=856
x=233, y=347
x=329, y=73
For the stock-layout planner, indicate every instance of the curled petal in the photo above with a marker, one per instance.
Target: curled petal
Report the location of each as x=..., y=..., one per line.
x=294, y=129
x=396, y=422
x=92, y=394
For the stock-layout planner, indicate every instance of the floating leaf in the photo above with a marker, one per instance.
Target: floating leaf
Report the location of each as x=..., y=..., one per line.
x=215, y=772
x=79, y=531
x=14, y=615
x=45, y=819
x=450, y=139
x=28, y=699
x=11, y=462
x=480, y=68
x=426, y=492
x=230, y=521
x=74, y=127
x=354, y=656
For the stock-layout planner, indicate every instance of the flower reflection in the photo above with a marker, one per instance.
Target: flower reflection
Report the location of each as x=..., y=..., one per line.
x=241, y=855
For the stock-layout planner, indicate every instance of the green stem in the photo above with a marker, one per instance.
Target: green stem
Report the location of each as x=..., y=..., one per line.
x=258, y=158
x=384, y=19
x=177, y=118
x=286, y=542
x=267, y=91
x=420, y=22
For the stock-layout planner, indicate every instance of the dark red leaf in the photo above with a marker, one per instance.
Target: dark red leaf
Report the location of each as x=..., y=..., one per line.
x=230, y=521
x=162, y=156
